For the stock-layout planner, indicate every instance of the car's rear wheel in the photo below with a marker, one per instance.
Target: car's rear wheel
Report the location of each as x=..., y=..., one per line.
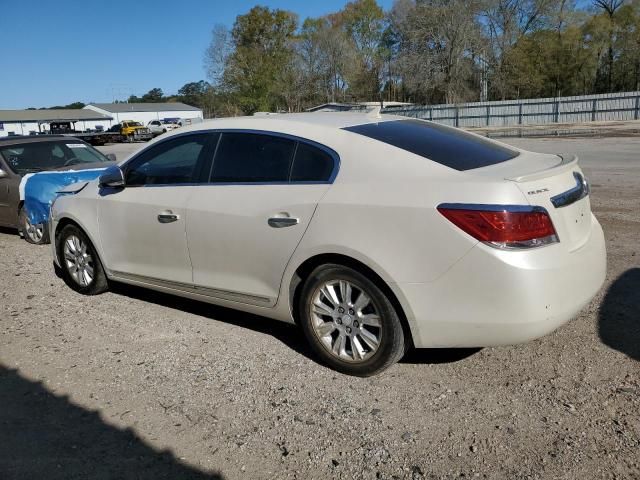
x=350, y=322
x=36, y=234
x=81, y=268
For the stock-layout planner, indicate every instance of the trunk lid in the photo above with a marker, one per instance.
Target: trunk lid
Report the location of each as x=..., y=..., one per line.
x=556, y=183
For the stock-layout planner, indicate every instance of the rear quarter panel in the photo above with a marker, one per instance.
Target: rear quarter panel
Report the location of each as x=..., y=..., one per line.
x=382, y=205
x=382, y=211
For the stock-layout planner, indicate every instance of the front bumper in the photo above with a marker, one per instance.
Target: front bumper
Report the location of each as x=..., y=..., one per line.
x=494, y=297
x=142, y=136
x=53, y=225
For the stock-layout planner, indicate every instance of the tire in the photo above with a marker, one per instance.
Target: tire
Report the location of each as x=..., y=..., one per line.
x=34, y=234
x=345, y=331
x=81, y=268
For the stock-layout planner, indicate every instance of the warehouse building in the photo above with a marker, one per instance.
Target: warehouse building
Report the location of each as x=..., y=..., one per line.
x=34, y=122
x=145, y=112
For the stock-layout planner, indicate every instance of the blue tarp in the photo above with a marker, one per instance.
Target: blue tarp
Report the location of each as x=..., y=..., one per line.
x=41, y=189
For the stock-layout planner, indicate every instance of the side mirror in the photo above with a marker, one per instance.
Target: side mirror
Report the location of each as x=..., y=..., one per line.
x=112, y=177
x=3, y=173
x=111, y=156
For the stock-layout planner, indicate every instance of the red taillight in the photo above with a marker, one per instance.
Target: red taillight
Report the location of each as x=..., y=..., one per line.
x=504, y=227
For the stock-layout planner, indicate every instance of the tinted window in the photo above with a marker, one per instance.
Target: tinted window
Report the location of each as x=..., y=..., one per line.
x=250, y=157
x=172, y=162
x=445, y=145
x=311, y=164
x=37, y=156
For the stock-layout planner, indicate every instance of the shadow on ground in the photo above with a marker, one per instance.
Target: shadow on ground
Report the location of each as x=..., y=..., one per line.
x=619, y=317
x=9, y=231
x=438, y=355
x=43, y=435
x=288, y=334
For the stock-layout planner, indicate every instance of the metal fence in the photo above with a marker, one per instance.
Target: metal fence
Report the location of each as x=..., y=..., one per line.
x=540, y=111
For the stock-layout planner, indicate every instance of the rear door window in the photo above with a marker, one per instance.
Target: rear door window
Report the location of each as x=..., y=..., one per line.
x=252, y=158
x=311, y=164
x=447, y=146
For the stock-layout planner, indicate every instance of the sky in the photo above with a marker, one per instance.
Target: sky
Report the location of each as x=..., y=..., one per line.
x=55, y=53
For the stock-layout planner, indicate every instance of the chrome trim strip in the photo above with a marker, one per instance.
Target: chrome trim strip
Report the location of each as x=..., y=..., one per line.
x=574, y=194
x=200, y=290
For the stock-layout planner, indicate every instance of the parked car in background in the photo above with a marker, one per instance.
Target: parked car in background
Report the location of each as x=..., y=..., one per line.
x=156, y=127
x=20, y=156
x=374, y=234
x=171, y=123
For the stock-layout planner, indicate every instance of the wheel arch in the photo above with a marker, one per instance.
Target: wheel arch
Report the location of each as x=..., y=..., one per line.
x=303, y=271
x=63, y=222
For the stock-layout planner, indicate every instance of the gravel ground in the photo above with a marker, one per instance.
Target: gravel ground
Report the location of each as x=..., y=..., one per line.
x=133, y=384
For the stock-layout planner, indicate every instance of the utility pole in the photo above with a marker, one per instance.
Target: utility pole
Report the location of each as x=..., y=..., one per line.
x=484, y=87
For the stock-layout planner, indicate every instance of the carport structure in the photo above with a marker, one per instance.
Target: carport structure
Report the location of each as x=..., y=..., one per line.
x=32, y=122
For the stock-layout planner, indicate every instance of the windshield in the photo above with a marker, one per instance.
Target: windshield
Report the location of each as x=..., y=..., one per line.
x=132, y=124
x=39, y=156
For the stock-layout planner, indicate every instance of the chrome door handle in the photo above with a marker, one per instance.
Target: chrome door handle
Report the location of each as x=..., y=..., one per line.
x=167, y=217
x=281, y=222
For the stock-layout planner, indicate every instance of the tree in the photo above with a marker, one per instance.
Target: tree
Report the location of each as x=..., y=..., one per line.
x=363, y=22
x=627, y=46
x=217, y=54
x=262, y=49
x=505, y=22
x=193, y=93
x=152, y=96
x=421, y=51
x=610, y=7
x=325, y=53
x=438, y=43
x=73, y=105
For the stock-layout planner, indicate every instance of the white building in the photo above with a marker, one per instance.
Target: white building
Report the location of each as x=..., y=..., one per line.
x=33, y=122
x=145, y=112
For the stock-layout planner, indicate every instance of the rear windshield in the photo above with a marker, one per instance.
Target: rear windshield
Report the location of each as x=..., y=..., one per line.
x=445, y=145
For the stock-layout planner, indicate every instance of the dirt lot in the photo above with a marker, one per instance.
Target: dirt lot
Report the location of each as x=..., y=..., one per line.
x=134, y=384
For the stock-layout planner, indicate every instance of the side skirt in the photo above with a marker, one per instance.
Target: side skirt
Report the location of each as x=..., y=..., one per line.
x=206, y=292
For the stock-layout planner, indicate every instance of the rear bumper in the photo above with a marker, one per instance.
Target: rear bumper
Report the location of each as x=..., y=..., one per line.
x=493, y=297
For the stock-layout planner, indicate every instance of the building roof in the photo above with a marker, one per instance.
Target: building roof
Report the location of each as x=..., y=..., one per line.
x=143, y=107
x=62, y=115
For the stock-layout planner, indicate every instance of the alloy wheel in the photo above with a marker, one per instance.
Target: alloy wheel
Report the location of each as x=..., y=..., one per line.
x=345, y=320
x=34, y=232
x=78, y=261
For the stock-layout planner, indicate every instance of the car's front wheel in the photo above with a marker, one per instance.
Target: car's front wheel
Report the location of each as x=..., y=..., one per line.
x=350, y=322
x=32, y=233
x=81, y=268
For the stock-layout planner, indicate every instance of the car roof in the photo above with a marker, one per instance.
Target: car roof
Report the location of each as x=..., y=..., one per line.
x=277, y=121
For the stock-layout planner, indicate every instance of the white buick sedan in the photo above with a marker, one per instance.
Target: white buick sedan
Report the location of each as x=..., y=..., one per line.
x=374, y=234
